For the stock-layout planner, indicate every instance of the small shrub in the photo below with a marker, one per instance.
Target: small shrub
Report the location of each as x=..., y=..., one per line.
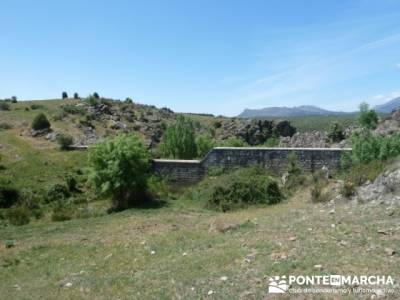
x=18, y=215
x=238, y=189
x=40, y=122
x=71, y=183
x=96, y=95
x=92, y=100
x=14, y=99
x=73, y=109
x=217, y=124
x=204, y=144
x=8, y=194
x=4, y=105
x=272, y=142
x=36, y=106
x=335, y=133
x=65, y=141
x=76, y=96
x=128, y=100
x=233, y=142
x=64, y=95
x=348, y=189
x=5, y=126
x=57, y=192
x=319, y=182
x=61, y=214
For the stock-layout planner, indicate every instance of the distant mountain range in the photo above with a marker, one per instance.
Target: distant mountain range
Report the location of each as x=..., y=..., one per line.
x=283, y=111
x=388, y=106
x=309, y=110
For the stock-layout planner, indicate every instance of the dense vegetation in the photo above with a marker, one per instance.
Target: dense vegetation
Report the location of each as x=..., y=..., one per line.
x=119, y=168
x=238, y=189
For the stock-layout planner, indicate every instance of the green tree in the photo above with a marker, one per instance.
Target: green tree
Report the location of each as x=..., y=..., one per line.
x=204, y=144
x=367, y=118
x=64, y=95
x=335, y=133
x=179, y=140
x=96, y=95
x=119, y=167
x=40, y=122
x=76, y=96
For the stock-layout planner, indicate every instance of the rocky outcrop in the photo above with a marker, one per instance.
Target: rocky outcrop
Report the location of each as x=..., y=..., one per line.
x=314, y=139
x=385, y=188
x=390, y=124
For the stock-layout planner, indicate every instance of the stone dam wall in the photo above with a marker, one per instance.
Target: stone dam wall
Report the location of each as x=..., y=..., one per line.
x=273, y=159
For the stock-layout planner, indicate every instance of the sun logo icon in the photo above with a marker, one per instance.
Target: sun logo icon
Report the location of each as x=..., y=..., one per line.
x=277, y=285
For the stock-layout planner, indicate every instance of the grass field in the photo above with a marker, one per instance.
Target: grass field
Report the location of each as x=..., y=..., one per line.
x=182, y=251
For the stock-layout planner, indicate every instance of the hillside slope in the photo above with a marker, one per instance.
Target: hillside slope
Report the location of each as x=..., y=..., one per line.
x=298, y=111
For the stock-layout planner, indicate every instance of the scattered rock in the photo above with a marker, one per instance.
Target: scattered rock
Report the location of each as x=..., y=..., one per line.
x=389, y=251
x=318, y=267
x=224, y=278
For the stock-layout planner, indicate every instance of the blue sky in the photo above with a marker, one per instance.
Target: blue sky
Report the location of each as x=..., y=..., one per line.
x=203, y=56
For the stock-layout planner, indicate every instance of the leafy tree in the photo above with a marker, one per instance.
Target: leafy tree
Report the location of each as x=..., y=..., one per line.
x=179, y=140
x=335, y=133
x=76, y=96
x=119, y=167
x=128, y=100
x=204, y=144
x=14, y=99
x=367, y=117
x=64, y=95
x=96, y=95
x=40, y=122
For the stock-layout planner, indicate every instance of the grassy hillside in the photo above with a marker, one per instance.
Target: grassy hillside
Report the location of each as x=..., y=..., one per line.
x=184, y=252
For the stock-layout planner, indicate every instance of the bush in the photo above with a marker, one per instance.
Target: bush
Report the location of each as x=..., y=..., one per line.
x=71, y=183
x=4, y=105
x=367, y=147
x=40, y=122
x=119, y=168
x=96, y=95
x=233, y=142
x=73, y=109
x=65, y=141
x=272, y=142
x=14, y=99
x=217, y=124
x=238, y=189
x=64, y=95
x=92, y=100
x=5, y=126
x=128, y=100
x=8, y=194
x=62, y=212
x=204, y=144
x=36, y=106
x=294, y=171
x=347, y=189
x=367, y=117
x=58, y=192
x=76, y=96
x=319, y=181
x=179, y=140
x=18, y=215
x=335, y=133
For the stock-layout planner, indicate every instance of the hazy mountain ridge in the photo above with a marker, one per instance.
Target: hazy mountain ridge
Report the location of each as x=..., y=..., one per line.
x=283, y=111
x=310, y=110
x=388, y=107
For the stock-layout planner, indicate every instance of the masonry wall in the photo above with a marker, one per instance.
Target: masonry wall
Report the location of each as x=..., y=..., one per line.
x=274, y=159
